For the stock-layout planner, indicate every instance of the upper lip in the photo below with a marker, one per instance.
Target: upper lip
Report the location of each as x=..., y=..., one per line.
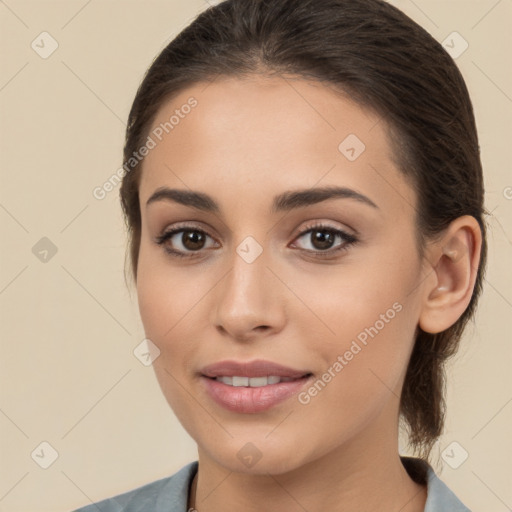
x=257, y=368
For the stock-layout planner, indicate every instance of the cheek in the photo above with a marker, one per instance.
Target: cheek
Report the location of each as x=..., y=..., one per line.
x=173, y=305
x=368, y=320
x=166, y=300
x=363, y=365
x=371, y=331
x=165, y=296
x=351, y=297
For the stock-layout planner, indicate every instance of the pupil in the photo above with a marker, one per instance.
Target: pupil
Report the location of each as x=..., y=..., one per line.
x=192, y=240
x=322, y=239
x=195, y=240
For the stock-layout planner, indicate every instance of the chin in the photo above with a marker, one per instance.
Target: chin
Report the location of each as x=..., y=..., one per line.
x=257, y=457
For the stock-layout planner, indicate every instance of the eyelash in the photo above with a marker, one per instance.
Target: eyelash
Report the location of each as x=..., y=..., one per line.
x=347, y=238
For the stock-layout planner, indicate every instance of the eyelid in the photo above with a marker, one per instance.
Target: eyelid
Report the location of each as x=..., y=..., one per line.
x=183, y=226
x=325, y=225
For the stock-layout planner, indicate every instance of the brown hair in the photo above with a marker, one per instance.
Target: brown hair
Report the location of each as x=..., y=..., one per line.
x=384, y=61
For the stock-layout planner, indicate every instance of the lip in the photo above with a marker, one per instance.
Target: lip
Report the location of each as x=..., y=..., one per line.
x=257, y=368
x=249, y=400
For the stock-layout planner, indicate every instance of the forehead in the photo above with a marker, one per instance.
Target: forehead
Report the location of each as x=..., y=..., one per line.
x=260, y=133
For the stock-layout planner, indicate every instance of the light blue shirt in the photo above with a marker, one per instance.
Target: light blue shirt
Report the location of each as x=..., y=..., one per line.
x=170, y=494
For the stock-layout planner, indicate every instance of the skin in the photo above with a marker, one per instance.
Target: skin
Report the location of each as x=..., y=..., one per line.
x=245, y=142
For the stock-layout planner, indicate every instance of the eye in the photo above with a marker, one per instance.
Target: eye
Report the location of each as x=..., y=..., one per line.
x=185, y=241
x=321, y=240
x=189, y=241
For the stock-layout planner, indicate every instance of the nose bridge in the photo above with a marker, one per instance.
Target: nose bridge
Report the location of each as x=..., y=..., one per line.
x=247, y=284
x=247, y=298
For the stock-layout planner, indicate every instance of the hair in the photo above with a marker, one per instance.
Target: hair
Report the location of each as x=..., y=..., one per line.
x=384, y=61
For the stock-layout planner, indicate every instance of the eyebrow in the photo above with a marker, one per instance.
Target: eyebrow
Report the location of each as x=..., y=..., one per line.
x=286, y=201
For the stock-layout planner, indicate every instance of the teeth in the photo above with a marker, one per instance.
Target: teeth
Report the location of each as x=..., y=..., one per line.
x=256, y=382
x=240, y=381
x=225, y=380
x=253, y=382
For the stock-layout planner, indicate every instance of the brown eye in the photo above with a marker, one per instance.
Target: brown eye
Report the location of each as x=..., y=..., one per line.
x=322, y=239
x=193, y=240
x=325, y=240
x=185, y=241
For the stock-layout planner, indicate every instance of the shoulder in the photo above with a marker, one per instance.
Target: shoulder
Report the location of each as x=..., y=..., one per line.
x=440, y=497
x=165, y=495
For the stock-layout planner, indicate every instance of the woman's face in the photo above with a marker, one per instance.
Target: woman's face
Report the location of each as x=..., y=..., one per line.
x=260, y=280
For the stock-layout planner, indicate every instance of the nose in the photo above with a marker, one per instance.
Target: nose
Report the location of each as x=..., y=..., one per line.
x=249, y=301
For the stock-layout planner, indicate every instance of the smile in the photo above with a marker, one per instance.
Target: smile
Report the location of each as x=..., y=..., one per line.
x=253, y=382
x=249, y=395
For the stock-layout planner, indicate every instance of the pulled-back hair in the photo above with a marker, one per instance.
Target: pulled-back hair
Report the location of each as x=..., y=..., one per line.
x=386, y=62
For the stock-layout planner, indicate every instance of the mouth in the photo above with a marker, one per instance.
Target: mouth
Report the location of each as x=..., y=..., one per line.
x=255, y=382
x=252, y=387
x=259, y=368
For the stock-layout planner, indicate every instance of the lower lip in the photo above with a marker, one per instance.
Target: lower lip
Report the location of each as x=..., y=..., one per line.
x=252, y=400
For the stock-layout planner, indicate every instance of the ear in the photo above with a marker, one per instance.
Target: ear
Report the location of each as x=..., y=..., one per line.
x=454, y=258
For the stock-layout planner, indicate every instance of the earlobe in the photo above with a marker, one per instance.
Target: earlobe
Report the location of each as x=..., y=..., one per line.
x=455, y=259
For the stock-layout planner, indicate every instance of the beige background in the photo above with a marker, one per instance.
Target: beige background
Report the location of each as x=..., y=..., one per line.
x=69, y=326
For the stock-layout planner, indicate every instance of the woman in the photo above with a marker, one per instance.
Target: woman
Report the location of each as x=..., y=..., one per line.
x=304, y=200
